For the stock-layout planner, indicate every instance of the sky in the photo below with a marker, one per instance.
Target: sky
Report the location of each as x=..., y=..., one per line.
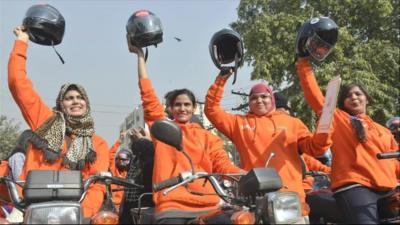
x=96, y=55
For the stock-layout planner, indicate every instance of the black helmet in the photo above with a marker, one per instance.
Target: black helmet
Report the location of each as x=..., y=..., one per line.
x=144, y=29
x=225, y=46
x=317, y=37
x=45, y=24
x=123, y=159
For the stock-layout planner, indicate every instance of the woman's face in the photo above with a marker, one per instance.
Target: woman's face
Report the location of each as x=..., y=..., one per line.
x=355, y=101
x=74, y=104
x=260, y=103
x=182, y=108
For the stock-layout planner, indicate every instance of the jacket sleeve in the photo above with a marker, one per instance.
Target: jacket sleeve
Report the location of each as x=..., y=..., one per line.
x=94, y=198
x=113, y=151
x=312, y=92
x=312, y=144
x=152, y=107
x=33, y=109
x=223, y=121
x=314, y=165
x=220, y=160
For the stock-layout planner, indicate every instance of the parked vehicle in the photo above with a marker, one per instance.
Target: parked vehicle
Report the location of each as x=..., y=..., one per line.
x=389, y=207
x=255, y=200
x=54, y=197
x=325, y=211
x=323, y=208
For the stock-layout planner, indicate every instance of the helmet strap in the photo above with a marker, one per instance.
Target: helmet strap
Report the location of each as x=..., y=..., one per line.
x=59, y=56
x=146, y=54
x=235, y=68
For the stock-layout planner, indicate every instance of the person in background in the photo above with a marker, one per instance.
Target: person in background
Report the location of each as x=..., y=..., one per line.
x=205, y=149
x=263, y=131
x=358, y=178
x=141, y=171
x=16, y=160
x=64, y=137
x=321, y=203
x=394, y=126
x=310, y=163
x=120, y=159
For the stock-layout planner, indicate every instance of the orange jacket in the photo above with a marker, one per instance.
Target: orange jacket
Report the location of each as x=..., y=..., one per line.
x=117, y=195
x=4, y=169
x=205, y=149
x=256, y=137
x=36, y=112
x=352, y=161
x=312, y=164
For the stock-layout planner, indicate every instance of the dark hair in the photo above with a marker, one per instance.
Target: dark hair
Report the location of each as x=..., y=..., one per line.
x=171, y=96
x=344, y=91
x=22, y=142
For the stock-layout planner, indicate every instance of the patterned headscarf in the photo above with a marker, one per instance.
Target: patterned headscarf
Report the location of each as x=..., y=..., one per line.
x=51, y=134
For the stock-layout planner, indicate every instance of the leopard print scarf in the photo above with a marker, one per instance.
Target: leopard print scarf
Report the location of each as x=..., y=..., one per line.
x=51, y=134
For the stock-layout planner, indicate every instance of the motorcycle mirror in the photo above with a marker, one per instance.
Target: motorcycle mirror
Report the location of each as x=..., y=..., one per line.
x=167, y=132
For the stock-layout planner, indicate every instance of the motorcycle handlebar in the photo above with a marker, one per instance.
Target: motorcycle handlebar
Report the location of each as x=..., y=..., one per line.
x=187, y=177
x=388, y=155
x=316, y=173
x=13, y=191
x=107, y=177
x=167, y=183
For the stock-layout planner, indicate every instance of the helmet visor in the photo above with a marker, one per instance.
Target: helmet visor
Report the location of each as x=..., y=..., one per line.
x=318, y=48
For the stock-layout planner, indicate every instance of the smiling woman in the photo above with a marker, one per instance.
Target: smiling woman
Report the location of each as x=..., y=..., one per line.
x=64, y=137
x=205, y=149
x=359, y=179
x=74, y=103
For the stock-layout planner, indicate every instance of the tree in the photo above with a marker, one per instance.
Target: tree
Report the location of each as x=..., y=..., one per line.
x=9, y=132
x=367, y=50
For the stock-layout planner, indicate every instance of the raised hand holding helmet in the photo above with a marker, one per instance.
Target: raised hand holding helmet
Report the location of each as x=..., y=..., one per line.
x=44, y=24
x=226, y=47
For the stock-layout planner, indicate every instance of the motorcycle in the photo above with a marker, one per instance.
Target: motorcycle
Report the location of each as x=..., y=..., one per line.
x=325, y=211
x=323, y=208
x=255, y=200
x=54, y=197
x=389, y=206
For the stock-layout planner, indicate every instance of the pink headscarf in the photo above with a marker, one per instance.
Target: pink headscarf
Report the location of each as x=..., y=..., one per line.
x=263, y=88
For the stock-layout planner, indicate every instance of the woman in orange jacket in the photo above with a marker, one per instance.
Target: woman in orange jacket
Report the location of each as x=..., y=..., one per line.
x=263, y=131
x=358, y=178
x=64, y=137
x=205, y=149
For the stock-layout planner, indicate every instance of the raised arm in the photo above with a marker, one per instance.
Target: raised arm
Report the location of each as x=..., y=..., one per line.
x=312, y=144
x=312, y=92
x=152, y=107
x=220, y=119
x=32, y=107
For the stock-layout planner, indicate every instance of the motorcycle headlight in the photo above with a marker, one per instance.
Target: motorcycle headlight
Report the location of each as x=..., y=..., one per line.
x=284, y=207
x=54, y=213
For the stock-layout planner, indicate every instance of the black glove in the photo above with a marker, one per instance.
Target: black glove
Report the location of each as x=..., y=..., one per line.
x=225, y=70
x=301, y=50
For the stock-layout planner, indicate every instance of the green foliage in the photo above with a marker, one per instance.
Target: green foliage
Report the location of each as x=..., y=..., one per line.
x=9, y=132
x=229, y=147
x=367, y=50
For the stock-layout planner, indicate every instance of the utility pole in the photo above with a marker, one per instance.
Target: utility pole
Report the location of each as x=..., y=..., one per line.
x=242, y=107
